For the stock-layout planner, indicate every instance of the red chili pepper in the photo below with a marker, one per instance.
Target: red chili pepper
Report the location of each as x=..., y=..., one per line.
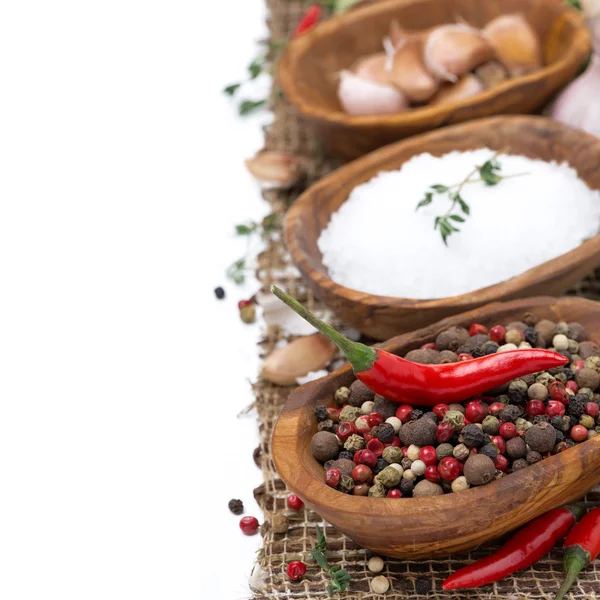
x=403, y=381
x=309, y=20
x=527, y=546
x=581, y=548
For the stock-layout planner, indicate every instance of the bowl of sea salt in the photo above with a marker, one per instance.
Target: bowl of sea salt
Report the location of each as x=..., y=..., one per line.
x=377, y=261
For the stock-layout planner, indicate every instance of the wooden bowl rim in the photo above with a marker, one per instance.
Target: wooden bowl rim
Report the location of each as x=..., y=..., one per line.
x=317, y=272
x=318, y=493
x=579, y=47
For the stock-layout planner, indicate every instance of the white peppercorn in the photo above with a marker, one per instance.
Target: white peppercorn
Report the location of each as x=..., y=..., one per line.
x=560, y=342
x=375, y=564
x=507, y=347
x=412, y=452
x=408, y=474
x=418, y=467
x=460, y=484
x=380, y=584
x=524, y=346
x=395, y=422
x=537, y=391
x=366, y=408
x=341, y=395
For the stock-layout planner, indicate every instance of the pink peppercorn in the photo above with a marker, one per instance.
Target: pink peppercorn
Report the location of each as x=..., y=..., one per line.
x=332, y=477
x=374, y=419
x=449, y=468
x=249, y=525
x=578, y=364
x=477, y=328
x=432, y=474
x=501, y=462
x=495, y=408
x=499, y=442
x=394, y=494
x=579, y=433
x=464, y=356
x=428, y=455
x=429, y=346
x=296, y=570
x=497, y=333
x=508, y=430
x=535, y=407
x=345, y=430
x=443, y=432
x=365, y=457
x=403, y=412
x=555, y=409
x=294, y=502
x=439, y=410
x=591, y=409
x=475, y=412
x=334, y=414
x=558, y=392
x=376, y=447
x=362, y=474
x=571, y=385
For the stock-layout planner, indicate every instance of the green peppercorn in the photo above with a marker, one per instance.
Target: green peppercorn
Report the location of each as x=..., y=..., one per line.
x=587, y=392
x=587, y=421
x=389, y=477
x=346, y=484
x=349, y=413
x=354, y=442
x=455, y=418
x=393, y=454
x=377, y=490
x=544, y=378
x=573, y=347
x=593, y=362
x=341, y=395
x=444, y=450
x=460, y=452
x=491, y=425
x=523, y=424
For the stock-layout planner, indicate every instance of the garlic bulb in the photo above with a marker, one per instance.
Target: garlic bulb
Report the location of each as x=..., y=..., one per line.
x=516, y=44
x=359, y=96
x=492, y=73
x=373, y=67
x=275, y=168
x=451, y=51
x=576, y=105
x=465, y=87
x=409, y=73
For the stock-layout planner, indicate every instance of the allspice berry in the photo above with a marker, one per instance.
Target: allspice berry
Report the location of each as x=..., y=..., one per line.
x=541, y=437
x=359, y=393
x=427, y=488
x=516, y=447
x=279, y=523
x=545, y=329
x=479, y=469
x=386, y=408
x=421, y=432
x=325, y=445
x=587, y=378
x=521, y=463
x=425, y=357
x=344, y=465
x=452, y=338
x=587, y=349
x=361, y=490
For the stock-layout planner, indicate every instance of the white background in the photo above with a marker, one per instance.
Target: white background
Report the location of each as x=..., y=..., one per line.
x=121, y=376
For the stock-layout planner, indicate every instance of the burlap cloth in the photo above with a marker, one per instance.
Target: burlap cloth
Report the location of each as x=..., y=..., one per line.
x=417, y=580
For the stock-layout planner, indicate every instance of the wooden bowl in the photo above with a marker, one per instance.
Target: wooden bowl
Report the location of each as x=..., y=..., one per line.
x=308, y=69
x=442, y=525
x=382, y=317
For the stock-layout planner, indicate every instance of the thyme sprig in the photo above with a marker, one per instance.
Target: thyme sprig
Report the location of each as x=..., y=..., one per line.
x=340, y=578
x=237, y=270
x=489, y=173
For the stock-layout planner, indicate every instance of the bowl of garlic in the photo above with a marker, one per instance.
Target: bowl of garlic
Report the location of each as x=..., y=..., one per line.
x=402, y=67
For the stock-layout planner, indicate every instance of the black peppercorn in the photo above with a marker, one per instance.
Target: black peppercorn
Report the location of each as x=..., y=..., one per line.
x=416, y=414
x=422, y=586
x=560, y=436
x=385, y=433
x=566, y=354
x=219, y=293
x=557, y=422
x=576, y=408
x=489, y=450
x=477, y=352
x=321, y=412
x=431, y=415
x=326, y=425
x=510, y=413
x=520, y=463
x=236, y=506
x=569, y=442
x=406, y=487
x=541, y=419
x=472, y=436
x=533, y=457
x=347, y=455
x=490, y=348
x=380, y=465
x=569, y=373
x=531, y=336
x=455, y=439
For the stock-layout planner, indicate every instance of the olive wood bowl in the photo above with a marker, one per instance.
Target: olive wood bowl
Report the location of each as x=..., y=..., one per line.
x=419, y=528
x=308, y=68
x=382, y=317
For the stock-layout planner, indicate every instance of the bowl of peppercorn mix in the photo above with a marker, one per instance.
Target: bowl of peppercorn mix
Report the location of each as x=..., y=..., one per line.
x=418, y=482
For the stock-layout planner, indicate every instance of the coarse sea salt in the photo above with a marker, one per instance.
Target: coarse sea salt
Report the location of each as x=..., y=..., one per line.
x=378, y=243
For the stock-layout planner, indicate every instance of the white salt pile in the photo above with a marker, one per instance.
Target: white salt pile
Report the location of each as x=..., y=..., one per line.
x=377, y=243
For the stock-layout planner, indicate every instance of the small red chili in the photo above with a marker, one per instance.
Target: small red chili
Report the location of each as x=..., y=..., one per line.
x=443, y=432
x=508, y=430
x=332, y=477
x=403, y=412
x=296, y=570
x=581, y=548
x=394, y=494
x=527, y=546
x=376, y=447
x=477, y=328
x=294, y=502
x=249, y=525
x=401, y=380
x=579, y=433
x=497, y=333
x=374, y=419
x=309, y=20
x=345, y=430
x=439, y=410
x=449, y=468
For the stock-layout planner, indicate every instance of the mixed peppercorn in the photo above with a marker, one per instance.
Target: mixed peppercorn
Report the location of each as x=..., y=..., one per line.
x=372, y=446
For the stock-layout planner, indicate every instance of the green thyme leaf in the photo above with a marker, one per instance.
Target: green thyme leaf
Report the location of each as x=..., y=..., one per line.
x=246, y=228
x=457, y=218
x=236, y=271
x=248, y=106
x=440, y=189
x=230, y=90
x=255, y=67
x=269, y=222
x=463, y=205
x=427, y=200
x=319, y=558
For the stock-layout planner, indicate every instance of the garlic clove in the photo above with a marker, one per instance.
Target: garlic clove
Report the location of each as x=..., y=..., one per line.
x=281, y=170
x=359, y=96
x=451, y=51
x=492, y=73
x=465, y=87
x=409, y=73
x=310, y=353
x=374, y=68
x=516, y=44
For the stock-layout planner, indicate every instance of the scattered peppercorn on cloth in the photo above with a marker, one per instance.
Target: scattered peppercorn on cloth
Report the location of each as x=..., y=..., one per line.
x=415, y=580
